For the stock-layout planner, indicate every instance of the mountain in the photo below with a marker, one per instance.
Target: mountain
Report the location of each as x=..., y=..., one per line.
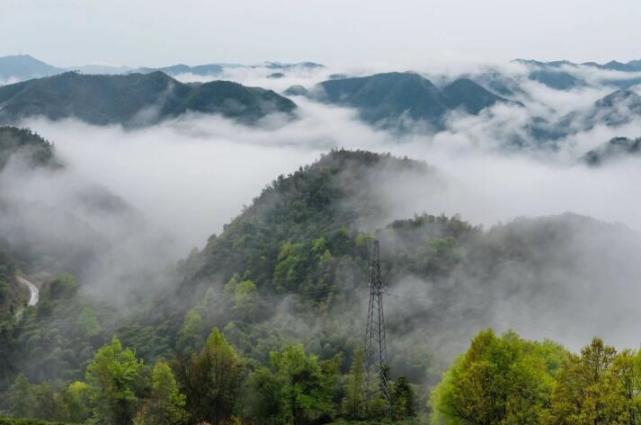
x=542, y=64
x=293, y=267
x=391, y=98
x=24, y=67
x=469, y=96
x=290, y=66
x=497, y=82
x=302, y=248
x=213, y=69
x=566, y=75
x=331, y=198
x=617, y=148
x=101, y=69
x=631, y=66
x=135, y=99
x=615, y=109
x=174, y=70
x=296, y=90
x=557, y=80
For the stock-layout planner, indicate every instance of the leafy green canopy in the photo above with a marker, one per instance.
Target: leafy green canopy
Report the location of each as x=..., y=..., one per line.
x=507, y=380
x=500, y=380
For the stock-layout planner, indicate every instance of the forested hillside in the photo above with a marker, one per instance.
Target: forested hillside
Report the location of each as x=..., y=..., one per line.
x=134, y=100
x=398, y=99
x=279, y=297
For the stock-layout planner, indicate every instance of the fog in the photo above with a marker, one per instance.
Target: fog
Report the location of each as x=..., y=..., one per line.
x=186, y=178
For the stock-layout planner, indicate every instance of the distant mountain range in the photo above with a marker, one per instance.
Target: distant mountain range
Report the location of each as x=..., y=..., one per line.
x=391, y=98
x=565, y=75
x=631, y=66
x=25, y=67
x=134, y=99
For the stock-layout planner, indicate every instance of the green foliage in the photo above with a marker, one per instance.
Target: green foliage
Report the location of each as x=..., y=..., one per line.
x=77, y=401
x=14, y=421
x=113, y=377
x=354, y=405
x=244, y=298
x=212, y=379
x=63, y=286
x=89, y=322
x=165, y=405
x=296, y=389
x=290, y=266
x=190, y=334
x=21, y=398
x=402, y=395
x=499, y=380
x=506, y=380
x=55, y=340
x=42, y=401
x=599, y=386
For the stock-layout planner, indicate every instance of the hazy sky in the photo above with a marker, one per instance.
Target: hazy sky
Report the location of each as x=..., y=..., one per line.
x=404, y=32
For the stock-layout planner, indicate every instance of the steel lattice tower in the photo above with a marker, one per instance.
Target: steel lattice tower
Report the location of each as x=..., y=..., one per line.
x=375, y=345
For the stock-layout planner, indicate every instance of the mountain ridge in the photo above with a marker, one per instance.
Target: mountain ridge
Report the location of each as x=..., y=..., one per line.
x=134, y=99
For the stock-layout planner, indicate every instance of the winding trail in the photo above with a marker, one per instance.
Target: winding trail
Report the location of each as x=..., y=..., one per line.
x=33, y=291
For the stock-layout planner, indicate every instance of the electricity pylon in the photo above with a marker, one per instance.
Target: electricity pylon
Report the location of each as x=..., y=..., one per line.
x=375, y=344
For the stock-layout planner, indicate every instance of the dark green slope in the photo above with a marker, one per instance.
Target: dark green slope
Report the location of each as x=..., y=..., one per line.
x=468, y=95
x=134, y=99
x=330, y=199
x=389, y=99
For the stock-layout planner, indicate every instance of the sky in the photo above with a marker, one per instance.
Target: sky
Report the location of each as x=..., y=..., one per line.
x=334, y=32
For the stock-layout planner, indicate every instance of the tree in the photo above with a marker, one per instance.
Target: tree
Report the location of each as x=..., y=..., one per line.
x=165, y=405
x=212, y=380
x=113, y=377
x=89, y=322
x=295, y=390
x=402, y=399
x=354, y=401
x=41, y=401
x=191, y=332
x=48, y=402
x=244, y=297
x=597, y=387
x=499, y=380
x=21, y=397
x=289, y=272
x=77, y=400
